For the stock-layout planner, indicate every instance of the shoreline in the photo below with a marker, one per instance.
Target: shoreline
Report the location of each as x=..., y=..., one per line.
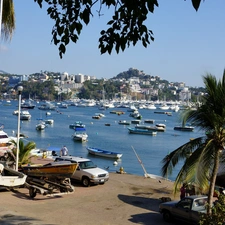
x=124, y=199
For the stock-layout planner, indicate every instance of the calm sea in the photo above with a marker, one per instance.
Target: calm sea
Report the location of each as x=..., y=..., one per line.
x=151, y=149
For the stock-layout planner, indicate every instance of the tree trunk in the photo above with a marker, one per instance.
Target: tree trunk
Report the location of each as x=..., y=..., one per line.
x=213, y=180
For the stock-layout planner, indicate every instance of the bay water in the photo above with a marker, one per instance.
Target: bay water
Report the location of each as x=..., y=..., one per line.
x=150, y=149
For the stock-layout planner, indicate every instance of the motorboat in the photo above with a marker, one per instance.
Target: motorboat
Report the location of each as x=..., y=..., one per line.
x=41, y=125
x=124, y=122
x=161, y=125
x=184, y=128
x=153, y=128
x=104, y=153
x=151, y=106
x=5, y=139
x=27, y=105
x=149, y=121
x=80, y=134
x=134, y=130
x=135, y=121
x=50, y=152
x=47, y=106
x=63, y=169
x=25, y=115
x=10, y=178
x=77, y=124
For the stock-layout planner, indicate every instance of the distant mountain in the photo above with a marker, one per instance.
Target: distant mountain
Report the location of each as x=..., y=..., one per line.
x=3, y=72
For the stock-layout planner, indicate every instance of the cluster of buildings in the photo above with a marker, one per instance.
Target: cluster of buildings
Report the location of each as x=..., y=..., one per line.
x=139, y=83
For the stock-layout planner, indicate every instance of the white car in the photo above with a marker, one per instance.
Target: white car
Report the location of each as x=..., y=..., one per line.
x=87, y=172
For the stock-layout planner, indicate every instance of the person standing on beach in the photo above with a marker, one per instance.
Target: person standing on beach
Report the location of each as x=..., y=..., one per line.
x=182, y=191
x=64, y=151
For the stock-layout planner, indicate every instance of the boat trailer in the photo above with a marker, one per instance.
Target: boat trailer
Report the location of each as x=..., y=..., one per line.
x=48, y=186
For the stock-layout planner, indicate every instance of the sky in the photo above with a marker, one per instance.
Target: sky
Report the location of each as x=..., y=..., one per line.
x=188, y=44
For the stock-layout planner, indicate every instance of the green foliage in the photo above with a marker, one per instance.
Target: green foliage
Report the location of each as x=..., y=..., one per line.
x=217, y=217
x=95, y=90
x=126, y=27
x=42, y=91
x=201, y=156
x=24, y=152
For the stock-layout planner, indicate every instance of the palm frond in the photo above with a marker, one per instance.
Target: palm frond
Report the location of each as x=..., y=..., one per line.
x=8, y=19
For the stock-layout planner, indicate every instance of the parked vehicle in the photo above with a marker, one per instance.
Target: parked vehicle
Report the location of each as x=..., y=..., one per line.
x=87, y=172
x=188, y=209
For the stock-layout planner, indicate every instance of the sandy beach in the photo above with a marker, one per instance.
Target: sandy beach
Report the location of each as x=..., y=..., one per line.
x=124, y=199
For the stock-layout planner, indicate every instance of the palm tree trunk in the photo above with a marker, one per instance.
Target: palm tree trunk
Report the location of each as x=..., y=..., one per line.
x=1, y=10
x=213, y=180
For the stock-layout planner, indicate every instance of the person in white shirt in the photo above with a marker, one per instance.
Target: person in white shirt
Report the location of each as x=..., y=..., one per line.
x=64, y=151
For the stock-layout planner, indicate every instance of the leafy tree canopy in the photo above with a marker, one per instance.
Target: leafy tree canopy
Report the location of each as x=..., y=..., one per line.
x=126, y=27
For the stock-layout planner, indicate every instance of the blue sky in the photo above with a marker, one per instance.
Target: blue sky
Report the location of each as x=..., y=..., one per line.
x=188, y=44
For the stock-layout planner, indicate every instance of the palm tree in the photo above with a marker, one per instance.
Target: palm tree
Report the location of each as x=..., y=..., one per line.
x=202, y=156
x=7, y=19
x=24, y=152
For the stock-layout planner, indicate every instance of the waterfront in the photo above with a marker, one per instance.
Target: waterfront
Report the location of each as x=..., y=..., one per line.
x=115, y=137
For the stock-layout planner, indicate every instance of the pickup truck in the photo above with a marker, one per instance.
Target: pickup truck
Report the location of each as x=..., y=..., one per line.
x=188, y=209
x=87, y=172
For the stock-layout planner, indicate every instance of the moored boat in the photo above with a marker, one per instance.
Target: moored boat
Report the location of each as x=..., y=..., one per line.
x=184, y=128
x=104, y=153
x=80, y=134
x=124, y=122
x=135, y=121
x=134, y=130
x=149, y=121
x=77, y=124
x=25, y=115
x=153, y=128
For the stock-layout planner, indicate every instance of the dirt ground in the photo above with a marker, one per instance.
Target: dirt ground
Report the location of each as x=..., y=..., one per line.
x=124, y=199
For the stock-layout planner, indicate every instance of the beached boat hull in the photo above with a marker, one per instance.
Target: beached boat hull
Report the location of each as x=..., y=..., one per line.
x=104, y=153
x=11, y=178
x=53, y=169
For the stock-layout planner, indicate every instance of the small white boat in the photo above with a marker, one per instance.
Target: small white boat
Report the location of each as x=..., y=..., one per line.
x=41, y=125
x=80, y=135
x=161, y=125
x=49, y=121
x=25, y=115
x=49, y=152
x=5, y=139
x=11, y=178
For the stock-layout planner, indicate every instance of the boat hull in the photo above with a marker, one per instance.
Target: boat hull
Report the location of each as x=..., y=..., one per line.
x=184, y=128
x=12, y=178
x=60, y=170
x=141, y=131
x=104, y=153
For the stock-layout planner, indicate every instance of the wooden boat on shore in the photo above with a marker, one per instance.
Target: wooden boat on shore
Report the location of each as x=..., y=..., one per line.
x=104, y=153
x=62, y=169
x=11, y=178
x=134, y=130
